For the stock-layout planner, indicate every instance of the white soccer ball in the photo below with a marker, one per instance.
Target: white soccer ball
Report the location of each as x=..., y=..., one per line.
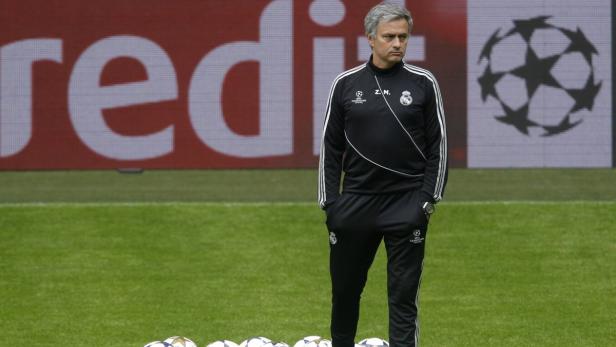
x=313, y=341
x=180, y=341
x=280, y=344
x=157, y=344
x=373, y=342
x=258, y=341
x=223, y=343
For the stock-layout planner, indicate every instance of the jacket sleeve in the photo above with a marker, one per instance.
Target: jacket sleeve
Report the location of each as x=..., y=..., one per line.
x=435, y=175
x=332, y=147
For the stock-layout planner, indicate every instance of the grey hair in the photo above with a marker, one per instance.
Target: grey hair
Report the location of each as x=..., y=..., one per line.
x=385, y=12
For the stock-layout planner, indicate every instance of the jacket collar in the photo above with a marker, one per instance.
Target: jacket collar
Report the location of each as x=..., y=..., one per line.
x=384, y=72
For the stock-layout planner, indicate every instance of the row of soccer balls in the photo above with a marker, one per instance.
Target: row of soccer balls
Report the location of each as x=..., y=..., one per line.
x=308, y=341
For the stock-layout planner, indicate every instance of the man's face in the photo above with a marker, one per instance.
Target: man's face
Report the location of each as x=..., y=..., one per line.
x=389, y=43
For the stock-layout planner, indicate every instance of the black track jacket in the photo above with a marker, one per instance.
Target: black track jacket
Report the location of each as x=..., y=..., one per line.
x=385, y=129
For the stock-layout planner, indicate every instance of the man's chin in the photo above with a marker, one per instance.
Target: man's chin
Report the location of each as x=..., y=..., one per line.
x=395, y=58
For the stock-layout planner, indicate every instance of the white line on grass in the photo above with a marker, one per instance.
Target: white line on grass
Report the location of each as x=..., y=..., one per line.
x=152, y=203
x=278, y=203
x=530, y=202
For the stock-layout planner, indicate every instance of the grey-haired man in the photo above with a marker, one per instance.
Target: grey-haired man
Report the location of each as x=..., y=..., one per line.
x=385, y=130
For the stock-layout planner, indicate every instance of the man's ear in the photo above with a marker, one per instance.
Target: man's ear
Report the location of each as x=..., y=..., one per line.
x=370, y=40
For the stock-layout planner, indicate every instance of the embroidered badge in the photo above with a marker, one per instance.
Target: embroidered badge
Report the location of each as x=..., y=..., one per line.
x=358, y=97
x=417, y=239
x=332, y=238
x=406, y=98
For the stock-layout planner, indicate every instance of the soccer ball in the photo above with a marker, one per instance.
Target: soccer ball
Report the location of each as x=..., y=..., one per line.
x=179, y=341
x=157, y=344
x=313, y=341
x=373, y=342
x=223, y=343
x=258, y=341
x=280, y=344
x=539, y=77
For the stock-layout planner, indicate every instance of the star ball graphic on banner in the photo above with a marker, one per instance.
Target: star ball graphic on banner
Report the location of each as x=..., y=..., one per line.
x=539, y=86
x=537, y=71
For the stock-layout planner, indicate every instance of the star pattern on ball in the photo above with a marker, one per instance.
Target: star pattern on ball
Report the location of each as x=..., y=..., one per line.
x=486, y=51
x=536, y=73
x=488, y=81
x=585, y=98
x=518, y=118
x=579, y=43
x=526, y=27
x=564, y=125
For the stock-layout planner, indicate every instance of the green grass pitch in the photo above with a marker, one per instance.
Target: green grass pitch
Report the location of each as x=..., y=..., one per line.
x=123, y=273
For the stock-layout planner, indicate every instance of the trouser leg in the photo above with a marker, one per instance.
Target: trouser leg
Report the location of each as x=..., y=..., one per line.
x=404, y=268
x=352, y=251
x=405, y=245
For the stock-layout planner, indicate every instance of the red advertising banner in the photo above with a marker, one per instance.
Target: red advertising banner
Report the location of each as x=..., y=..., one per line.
x=193, y=83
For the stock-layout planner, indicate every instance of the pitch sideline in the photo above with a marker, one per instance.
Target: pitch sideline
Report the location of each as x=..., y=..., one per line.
x=279, y=203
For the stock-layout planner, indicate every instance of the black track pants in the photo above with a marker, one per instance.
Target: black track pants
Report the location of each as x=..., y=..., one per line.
x=357, y=223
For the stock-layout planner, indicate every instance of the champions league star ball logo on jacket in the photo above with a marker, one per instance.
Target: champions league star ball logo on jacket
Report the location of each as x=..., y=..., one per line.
x=541, y=75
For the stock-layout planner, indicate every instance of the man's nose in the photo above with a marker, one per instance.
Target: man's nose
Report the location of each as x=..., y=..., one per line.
x=397, y=42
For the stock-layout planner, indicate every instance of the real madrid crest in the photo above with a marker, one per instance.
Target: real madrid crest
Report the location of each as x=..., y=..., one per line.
x=332, y=238
x=406, y=98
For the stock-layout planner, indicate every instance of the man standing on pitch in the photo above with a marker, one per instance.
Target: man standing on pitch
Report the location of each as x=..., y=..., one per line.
x=385, y=130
